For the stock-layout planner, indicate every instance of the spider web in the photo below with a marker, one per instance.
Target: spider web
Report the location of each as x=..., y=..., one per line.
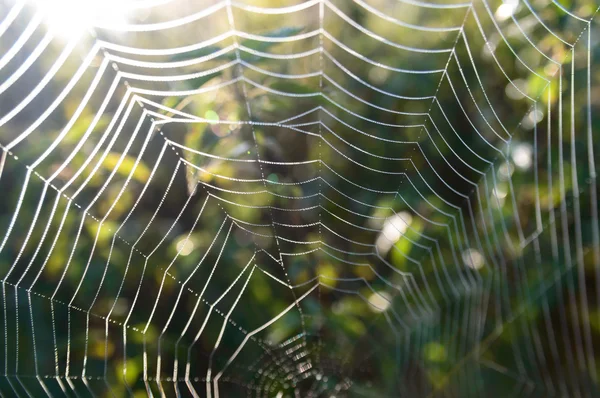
x=304, y=199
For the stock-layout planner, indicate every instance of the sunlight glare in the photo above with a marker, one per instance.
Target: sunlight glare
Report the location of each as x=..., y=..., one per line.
x=522, y=155
x=380, y=301
x=507, y=9
x=473, y=259
x=68, y=18
x=393, y=229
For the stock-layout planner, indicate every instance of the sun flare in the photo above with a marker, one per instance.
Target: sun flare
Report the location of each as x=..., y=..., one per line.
x=67, y=18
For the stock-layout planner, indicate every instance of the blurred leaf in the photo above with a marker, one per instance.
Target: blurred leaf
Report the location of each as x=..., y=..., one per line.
x=264, y=46
x=364, y=272
x=291, y=87
x=201, y=52
x=278, y=33
x=105, y=232
x=194, y=139
x=98, y=349
x=81, y=126
x=328, y=272
x=198, y=82
x=211, y=116
x=437, y=377
x=402, y=248
x=435, y=352
x=191, y=84
x=260, y=290
x=129, y=370
x=192, y=180
x=353, y=326
x=536, y=85
x=141, y=172
x=283, y=328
